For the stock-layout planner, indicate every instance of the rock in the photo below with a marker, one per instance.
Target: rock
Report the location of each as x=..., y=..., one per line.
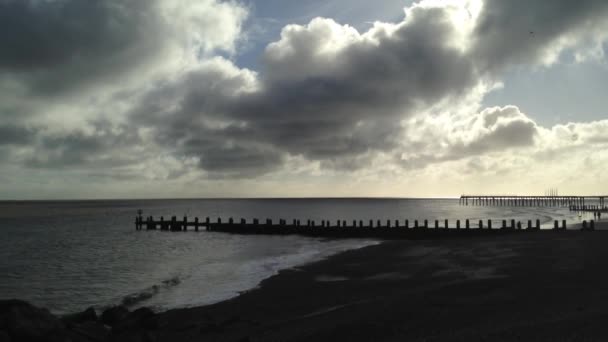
x=135, y=336
x=80, y=317
x=25, y=322
x=140, y=319
x=92, y=331
x=114, y=315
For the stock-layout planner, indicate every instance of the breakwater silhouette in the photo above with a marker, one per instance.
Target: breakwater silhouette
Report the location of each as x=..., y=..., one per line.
x=354, y=228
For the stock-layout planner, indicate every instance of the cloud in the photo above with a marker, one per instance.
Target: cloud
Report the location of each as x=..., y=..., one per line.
x=326, y=92
x=528, y=32
x=329, y=93
x=50, y=47
x=123, y=87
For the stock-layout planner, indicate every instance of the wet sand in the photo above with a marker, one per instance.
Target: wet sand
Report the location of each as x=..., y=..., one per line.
x=539, y=286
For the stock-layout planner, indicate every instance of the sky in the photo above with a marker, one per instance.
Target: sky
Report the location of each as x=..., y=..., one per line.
x=285, y=98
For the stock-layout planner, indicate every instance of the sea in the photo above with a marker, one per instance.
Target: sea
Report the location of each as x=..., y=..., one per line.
x=70, y=255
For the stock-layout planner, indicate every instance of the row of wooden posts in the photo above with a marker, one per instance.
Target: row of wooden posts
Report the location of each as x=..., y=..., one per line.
x=589, y=208
x=296, y=226
x=529, y=201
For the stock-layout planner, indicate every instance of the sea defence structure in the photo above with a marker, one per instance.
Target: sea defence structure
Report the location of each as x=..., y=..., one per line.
x=582, y=203
x=354, y=228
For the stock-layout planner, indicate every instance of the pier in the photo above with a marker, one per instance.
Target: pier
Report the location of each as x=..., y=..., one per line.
x=354, y=228
x=581, y=203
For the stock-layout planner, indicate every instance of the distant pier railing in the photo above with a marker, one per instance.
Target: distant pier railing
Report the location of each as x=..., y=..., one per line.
x=342, y=228
x=581, y=203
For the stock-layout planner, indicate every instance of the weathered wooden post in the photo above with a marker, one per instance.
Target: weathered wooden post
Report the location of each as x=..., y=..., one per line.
x=415, y=223
x=243, y=223
x=388, y=223
x=344, y=223
x=457, y=224
x=396, y=223
x=230, y=221
x=585, y=225
x=445, y=226
x=519, y=225
x=162, y=223
x=360, y=223
x=592, y=227
x=529, y=224
x=207, y=223
x=354, y=223
x=407, y=224
x=268, y=222
x=538, y=224
x=185, y=224
x=338, y=224
x=556, y=225
x=371, y=224
x=489, y=224
x=564, y=224
x=467, y=224
x=480, y=224
x=436, y=224
x=174, y=223
x=378, y=224
x=196, y=224
x=426, y=224
x=512, y=224
x=504, y=224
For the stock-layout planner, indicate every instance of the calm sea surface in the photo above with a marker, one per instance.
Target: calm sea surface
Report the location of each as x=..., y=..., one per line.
x=69, y=255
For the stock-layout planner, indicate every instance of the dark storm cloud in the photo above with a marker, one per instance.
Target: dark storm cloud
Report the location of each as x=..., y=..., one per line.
x=55, y=45
x=15, y=135
x=103, y=145
x=519, y=31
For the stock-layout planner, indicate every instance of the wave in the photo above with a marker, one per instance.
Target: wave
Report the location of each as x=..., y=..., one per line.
x=140, y=296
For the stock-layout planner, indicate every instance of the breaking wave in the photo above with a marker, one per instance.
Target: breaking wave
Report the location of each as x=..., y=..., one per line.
x=140, y=296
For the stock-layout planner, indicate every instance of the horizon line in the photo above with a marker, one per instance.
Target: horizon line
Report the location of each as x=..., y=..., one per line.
x=218, y=198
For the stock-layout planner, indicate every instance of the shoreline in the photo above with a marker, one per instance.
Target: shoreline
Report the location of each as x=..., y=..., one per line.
x=425, y=282
x=543, y=286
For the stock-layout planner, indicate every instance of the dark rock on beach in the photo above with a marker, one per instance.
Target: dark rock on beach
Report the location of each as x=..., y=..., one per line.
x=22, y=321
x=114, y=315
x=140, y=319
x=93, y=331
x=88, y=315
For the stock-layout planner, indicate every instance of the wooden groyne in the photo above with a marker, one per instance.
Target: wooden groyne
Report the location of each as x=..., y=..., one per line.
x=533, y=201
x=342, y=228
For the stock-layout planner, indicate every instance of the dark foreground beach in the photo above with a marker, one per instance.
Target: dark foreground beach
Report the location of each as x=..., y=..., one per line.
x=537, y=286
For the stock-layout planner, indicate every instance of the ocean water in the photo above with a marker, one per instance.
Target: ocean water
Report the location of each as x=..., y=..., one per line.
x=70, y=255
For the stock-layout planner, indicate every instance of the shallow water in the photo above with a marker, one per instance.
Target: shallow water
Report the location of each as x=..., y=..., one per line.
x=69, y=255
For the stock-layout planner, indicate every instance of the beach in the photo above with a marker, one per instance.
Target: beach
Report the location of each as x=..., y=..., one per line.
x=532, y=286
x=545, y=286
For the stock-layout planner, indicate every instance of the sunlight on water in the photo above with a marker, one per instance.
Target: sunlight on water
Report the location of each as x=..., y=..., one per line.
x=70, y=255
